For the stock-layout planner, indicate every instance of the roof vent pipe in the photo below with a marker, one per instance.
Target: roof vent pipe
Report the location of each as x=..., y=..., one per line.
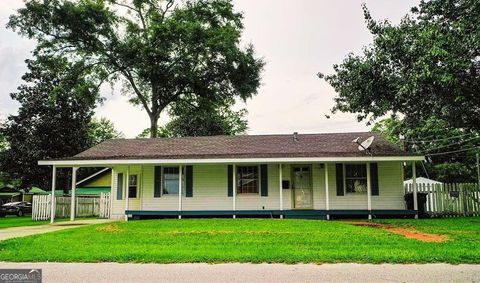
x=295, y=136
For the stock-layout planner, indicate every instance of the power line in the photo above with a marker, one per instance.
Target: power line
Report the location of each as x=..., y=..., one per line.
x=453, y=151
x=448, y=145
x=442, y=139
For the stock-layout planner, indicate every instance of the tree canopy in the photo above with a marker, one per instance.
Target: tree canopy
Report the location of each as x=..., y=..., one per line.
x=426, y=66
x=450, y=152
x=55, y=120
x=102, y=129
x=52, y=122
x=163, y=52
x=203, y=118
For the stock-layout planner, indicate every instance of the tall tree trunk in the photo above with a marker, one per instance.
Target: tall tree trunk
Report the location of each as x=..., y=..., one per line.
x=153, y=126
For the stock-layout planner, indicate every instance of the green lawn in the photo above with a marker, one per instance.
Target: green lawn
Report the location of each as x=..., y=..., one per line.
x=14, y=221
x=249, y=240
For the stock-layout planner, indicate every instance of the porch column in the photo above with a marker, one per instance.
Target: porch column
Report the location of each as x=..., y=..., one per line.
x=369, y=192
x=327, y=197
x=280, y=177
x=414, y=185
x=234, y=180
x=180, y=191
x=110, y=204
x=54, y=179
x=127, y=181
x=72, y=195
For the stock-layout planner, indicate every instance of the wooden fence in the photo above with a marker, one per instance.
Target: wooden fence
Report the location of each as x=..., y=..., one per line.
x=450, y=199
x=85, y=206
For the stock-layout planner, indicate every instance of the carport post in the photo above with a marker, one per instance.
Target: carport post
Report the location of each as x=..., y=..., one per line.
x=414, y=185
x=280, y=177
x=53, y=204
x=72, y=195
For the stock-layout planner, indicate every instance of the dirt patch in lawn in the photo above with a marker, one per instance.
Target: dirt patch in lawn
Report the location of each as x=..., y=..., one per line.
x=112, y=228
x=410, y=233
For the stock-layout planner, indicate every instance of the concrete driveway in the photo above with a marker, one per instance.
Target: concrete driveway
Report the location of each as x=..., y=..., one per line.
x=22, y=231
x=235, y=272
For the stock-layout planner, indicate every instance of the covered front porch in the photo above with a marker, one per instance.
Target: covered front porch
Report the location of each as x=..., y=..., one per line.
x=317, y=188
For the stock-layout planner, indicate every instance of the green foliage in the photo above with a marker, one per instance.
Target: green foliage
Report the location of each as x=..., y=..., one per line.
x=249, y=240
x=3, y=141
x=428, y=65
x=203, y=118
x=161, y=52
x=102, y=129
x=436, y=136
x=390, y=128
x=57, y=104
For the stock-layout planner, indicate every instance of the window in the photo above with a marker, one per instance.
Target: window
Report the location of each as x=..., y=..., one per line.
x=247, y=177
x=170, y=181
x=356, y=178
x=132, y=186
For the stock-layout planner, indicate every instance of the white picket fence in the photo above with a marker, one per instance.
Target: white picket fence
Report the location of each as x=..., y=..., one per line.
x=41, y=205
x=450, y=199
x=84, y=206
x=105, y=205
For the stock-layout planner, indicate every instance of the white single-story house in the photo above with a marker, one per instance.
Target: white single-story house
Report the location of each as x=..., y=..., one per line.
x=299, y=175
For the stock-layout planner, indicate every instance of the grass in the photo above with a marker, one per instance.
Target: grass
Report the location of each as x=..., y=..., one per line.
x=14, y=221
x=249, y=240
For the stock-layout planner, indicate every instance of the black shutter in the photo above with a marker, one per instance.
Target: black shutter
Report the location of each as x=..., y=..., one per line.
x=120, y=186
x=264, y=180
x=157, y=182
x=374, y=179
x=230, y=180
x=189, y=181
x=339, y=172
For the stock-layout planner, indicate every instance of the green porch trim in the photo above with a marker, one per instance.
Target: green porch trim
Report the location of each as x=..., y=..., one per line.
x=286, y=213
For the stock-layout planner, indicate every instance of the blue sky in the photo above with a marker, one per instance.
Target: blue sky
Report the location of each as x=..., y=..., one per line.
x=297, y=39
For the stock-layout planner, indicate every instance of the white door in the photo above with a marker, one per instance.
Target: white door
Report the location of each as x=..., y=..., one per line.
x=302, y=187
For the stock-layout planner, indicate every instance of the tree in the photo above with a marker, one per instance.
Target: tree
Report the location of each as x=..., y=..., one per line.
x=163, y=53
x=57, y=104
x=450, y=151
x=100, y=130
x=203, y=119
x=427, y=65
x=3, y=141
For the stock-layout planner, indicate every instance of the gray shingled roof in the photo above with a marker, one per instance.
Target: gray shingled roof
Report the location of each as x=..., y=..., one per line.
x=248, y=146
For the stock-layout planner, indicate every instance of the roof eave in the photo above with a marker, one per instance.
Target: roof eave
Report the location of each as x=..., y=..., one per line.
x=111, y=162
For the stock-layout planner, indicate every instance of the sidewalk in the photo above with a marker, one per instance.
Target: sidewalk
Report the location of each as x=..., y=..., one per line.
x=237, y=272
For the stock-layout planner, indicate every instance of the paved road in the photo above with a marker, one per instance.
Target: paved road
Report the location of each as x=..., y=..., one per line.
x=114, y=272
x=22, y=231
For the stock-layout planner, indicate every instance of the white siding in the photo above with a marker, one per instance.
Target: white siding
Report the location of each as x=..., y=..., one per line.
x=210, y=190
x=390, y=190
x=119, y=206
x=165, y=202
x=390, y=182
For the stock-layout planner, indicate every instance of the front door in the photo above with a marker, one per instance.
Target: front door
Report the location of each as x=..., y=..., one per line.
x=302, y=187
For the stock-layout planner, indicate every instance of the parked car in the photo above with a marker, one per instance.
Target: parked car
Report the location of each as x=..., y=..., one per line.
x=19, y=208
